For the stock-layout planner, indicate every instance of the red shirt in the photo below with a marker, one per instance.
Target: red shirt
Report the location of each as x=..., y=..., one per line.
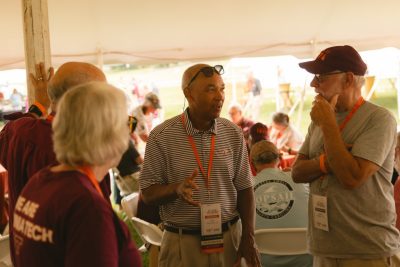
x=396, y=194
x=27, y=147
x=61, y=220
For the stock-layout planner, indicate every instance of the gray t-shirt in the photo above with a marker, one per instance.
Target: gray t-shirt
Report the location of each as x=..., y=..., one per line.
x=362, y=220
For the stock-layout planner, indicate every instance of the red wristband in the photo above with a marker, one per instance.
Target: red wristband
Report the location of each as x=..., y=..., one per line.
x=322, y=166
x=41, y=107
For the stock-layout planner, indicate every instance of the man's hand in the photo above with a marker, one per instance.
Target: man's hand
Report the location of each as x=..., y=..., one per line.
x=40, y=81
x=248, y=250
x=322, y=111
x=185, y=189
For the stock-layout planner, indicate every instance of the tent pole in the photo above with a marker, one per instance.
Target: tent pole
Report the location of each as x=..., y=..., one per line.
x=100, y=58
x=36, y=39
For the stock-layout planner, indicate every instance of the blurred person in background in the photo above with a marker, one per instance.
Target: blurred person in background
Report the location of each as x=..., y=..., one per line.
x=235, y=112
x=16, y=100
x=257, y=133
x=284, y=135
x=144, y=114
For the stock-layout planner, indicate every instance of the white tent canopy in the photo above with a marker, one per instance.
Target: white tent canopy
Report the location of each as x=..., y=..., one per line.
x=154, y=31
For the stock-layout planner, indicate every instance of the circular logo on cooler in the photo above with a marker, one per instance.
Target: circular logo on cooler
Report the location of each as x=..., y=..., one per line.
x=274, y=198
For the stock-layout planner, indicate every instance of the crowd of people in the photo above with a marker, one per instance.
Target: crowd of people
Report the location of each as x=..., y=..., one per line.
x=211, y=182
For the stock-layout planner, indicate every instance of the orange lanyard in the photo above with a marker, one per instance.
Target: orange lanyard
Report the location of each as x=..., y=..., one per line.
x=90, y=174
x=196, y=154
x=50, y=117
x=358, y=104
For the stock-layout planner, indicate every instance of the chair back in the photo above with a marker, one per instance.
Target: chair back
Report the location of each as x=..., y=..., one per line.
x=129, y=204
x=150, y=233
x=5, y=259
x=282, y=241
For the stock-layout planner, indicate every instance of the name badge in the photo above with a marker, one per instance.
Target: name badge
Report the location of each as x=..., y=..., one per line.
x=320, y=212
x=211, y=229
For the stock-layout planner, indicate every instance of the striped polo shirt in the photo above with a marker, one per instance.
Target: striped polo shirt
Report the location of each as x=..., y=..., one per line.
x=169, y=158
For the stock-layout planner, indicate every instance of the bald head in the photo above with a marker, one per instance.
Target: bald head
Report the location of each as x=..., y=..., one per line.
x=71, y=74
x=190, y=72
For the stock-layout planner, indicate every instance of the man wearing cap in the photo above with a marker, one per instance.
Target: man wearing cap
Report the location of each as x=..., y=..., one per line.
x=280, y=203
x=196, y=168
x=347, y=158
x=144, y=115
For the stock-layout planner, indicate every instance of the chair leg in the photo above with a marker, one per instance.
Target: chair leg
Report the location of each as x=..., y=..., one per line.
x=153, y=256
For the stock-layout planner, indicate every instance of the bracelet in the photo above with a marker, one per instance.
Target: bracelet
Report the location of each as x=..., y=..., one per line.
x=38, y=109
x=322, y=166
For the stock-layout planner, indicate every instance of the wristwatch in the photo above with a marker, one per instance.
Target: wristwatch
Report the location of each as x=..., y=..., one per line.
x=38, y=109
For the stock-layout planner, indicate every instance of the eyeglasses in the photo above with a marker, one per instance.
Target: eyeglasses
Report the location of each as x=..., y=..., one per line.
x=320, y=77
x=208, y=72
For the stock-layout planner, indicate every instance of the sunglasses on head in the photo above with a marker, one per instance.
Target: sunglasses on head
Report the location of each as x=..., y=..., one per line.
x=208, y=72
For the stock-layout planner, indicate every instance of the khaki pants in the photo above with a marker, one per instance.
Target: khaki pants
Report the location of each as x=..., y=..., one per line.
x=179, y=250
x=393, y=261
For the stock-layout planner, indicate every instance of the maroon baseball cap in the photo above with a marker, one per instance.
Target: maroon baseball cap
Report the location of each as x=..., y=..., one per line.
x=259, y=132
x=344, y=58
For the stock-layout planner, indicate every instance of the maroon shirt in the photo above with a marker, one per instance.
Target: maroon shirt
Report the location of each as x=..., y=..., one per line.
x=61, y=220
x=26, y=147
x=245, y=124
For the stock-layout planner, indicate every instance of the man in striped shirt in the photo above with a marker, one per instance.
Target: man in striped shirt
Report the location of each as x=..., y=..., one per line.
x=196, y=164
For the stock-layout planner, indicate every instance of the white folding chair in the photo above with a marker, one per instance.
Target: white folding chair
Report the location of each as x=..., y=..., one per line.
x=5, y=259
x=129, y=204
x=282, y=241
x=149, y=232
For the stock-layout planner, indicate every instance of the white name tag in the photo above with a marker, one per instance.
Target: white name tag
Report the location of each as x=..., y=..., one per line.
x=320, y=212
x=211, y=228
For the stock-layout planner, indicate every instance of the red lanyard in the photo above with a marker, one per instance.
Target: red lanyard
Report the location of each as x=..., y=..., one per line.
x=358, y=104
x=92, y=178
x=196, y=154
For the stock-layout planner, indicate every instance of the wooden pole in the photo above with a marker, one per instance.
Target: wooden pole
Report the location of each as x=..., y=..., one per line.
x=36, y=38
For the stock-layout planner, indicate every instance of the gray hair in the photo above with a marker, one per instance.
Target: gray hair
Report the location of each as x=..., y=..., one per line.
x=90, y=127
x=359, y=81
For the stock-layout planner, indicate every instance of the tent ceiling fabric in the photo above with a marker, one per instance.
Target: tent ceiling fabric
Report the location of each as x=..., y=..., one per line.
x=154, y=31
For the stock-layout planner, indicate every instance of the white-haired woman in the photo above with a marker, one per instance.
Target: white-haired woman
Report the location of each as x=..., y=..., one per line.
x=61, y=216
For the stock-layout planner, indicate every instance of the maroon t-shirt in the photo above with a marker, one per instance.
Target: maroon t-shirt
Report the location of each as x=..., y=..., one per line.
x=27, y=147
x=61, y=220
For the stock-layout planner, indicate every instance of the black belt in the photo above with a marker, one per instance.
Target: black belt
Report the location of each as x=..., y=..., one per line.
x=225, y=227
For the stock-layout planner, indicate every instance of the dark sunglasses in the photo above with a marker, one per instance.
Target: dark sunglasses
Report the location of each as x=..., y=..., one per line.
x=208, y=72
